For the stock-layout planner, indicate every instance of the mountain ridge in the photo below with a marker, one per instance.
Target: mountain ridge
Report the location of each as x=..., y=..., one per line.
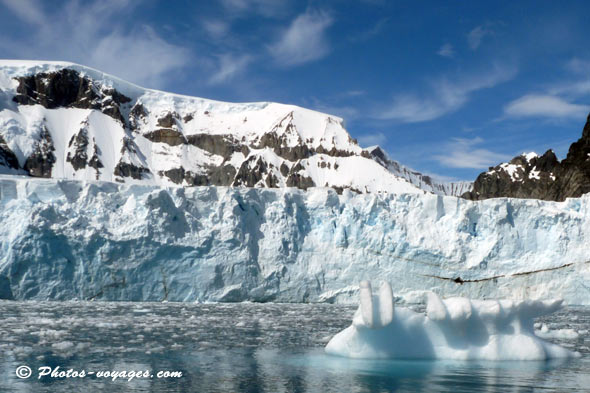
x=539, y=177
x=64, y=120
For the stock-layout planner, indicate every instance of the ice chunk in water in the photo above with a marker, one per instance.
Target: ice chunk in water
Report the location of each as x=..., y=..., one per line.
x=374, y=311
x=454, y=328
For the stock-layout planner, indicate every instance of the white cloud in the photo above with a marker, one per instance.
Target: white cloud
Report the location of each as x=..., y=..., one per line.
x=543, y=105
x=97, y=34
x=475, y=36
x=573, y=89
x=266, y=8
x=463, y=153
x=445, y=97
x=373, y=31
x=368, y=140
x=27, y=10
x=216, y=28
x=138, y=56
x=446, y=50
x=304, y=41
x=578, y=66
x=229, y=66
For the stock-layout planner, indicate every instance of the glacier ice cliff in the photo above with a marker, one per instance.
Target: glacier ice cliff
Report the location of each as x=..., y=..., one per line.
x=68, y=239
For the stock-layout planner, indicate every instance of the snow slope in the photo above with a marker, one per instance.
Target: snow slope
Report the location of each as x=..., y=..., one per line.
x=424, y=182
x=115, y=131
x=100, y=240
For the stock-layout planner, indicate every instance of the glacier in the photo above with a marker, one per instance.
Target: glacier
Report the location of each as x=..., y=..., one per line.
x=95, y=240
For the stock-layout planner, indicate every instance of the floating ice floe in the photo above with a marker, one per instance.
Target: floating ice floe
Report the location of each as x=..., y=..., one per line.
x=455, y=328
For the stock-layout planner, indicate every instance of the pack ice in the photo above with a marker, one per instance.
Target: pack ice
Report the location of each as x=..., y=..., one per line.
x=455, y=328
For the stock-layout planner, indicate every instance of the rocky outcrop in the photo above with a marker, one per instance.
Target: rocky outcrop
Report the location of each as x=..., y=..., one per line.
x=297, y=179
x=221, y=145
x=211, y=176
x=279, y=145
x=40, y=162
x=166, y=135
x=7, y=156
x=539, y=177
x=124, y=169
x=251, y=172
x=78, y=146
x=137, y=116
x=67, y=88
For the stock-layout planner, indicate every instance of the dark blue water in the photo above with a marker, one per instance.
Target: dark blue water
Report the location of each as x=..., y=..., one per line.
x=243, y=348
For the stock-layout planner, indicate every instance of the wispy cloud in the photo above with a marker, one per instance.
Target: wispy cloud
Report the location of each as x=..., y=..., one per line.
x=368, y=140
x=28, y=10
x=229, y=66
x=464, y=153
x=266, y=8
x=444, y=96
x=346, y=112
x=102, y=39
x=578, y=85
x=475, y=36
x=372, y=32
x=446, y=51
x=304, y=40
x=578, y=66
x=542, y=105
x=572, y=89
x=216, y=28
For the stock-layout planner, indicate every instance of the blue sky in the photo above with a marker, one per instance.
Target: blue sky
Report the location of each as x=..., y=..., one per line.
x=448, y=88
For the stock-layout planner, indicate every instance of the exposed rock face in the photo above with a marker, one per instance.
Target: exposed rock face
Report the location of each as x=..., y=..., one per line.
x=166, y=135
x=124, y=169
x=251, y=172
x=67, y=88
x=127, y=169
x=77, y=156
x=137, y=116
x=297, y=179
x=539, y=177
x=213, y=176
x=7, y=157
x=40, y=163
x=221, y=145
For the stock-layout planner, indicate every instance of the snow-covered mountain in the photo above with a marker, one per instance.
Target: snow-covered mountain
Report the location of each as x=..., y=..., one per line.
x=66, y=121
x=101, y=199
x=418, y=179
x=69, y=239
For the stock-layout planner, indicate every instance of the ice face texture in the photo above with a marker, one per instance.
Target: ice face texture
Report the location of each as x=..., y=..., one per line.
x=65, y=239
x=455, y=328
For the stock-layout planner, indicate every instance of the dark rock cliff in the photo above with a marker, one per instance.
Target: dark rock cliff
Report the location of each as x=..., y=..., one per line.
x=541, y=177
x=67, y=88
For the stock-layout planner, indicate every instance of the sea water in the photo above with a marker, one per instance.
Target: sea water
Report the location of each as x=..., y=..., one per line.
x=243, y=347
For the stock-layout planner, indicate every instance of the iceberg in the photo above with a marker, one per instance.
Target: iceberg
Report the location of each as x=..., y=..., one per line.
x=457, y=328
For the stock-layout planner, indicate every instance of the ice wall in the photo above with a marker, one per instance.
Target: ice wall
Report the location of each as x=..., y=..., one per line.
x=105, y=241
